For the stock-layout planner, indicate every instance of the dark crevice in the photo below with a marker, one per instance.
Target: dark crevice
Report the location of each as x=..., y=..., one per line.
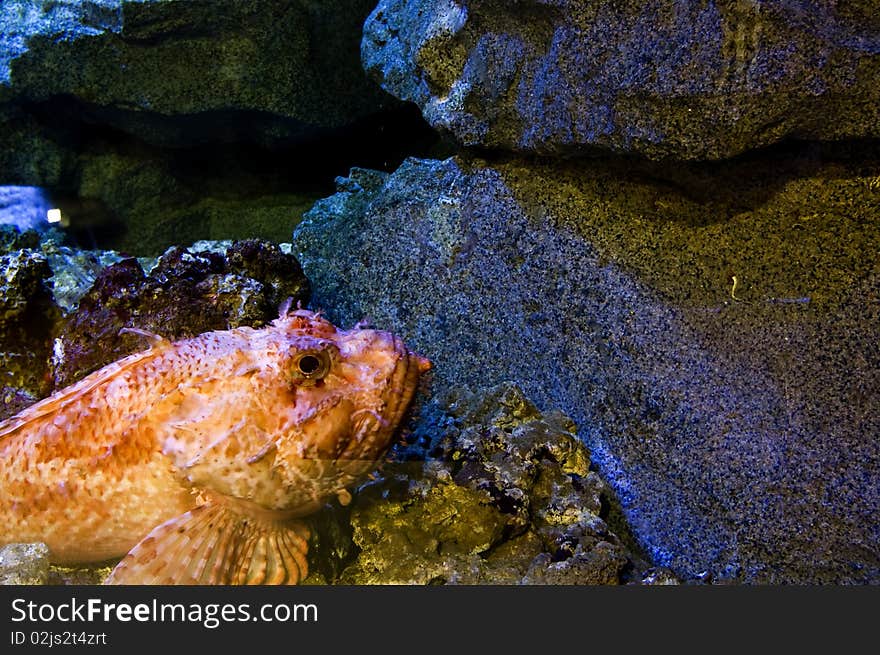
x=120, y=191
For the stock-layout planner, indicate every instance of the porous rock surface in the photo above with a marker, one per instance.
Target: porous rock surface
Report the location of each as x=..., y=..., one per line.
x=713, y=331
x=24, y=564
x=27, y=315
x=682, y=79
x=184, y=72
x=486, y=490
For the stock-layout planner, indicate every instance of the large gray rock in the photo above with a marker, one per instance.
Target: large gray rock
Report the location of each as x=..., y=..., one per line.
x=176, y=71
x=715, y=333
x=663, y=78
x=174, y=74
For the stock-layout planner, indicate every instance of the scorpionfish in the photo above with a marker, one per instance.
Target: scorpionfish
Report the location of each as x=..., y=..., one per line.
x=194, y=459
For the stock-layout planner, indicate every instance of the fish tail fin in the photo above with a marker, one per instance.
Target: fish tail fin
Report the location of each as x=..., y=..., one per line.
x=213, y=544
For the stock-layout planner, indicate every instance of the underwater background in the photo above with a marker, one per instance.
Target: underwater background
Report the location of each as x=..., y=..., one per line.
x=637, y=240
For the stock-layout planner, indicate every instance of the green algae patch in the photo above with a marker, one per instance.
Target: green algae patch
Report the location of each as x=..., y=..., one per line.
x=449, y=518
x=486, y=490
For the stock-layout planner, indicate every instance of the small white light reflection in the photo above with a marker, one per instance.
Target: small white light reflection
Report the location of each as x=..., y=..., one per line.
x=53, y=215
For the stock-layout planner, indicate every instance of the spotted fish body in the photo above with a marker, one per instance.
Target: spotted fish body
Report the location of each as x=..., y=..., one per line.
x=196, y=457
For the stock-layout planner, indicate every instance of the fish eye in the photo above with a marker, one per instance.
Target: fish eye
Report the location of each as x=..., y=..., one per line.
x=308, y=364
x=311, y=366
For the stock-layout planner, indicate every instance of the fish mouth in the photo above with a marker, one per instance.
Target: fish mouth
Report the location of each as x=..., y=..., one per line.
x=374, y=431
x=404, y=382
x=364, y=436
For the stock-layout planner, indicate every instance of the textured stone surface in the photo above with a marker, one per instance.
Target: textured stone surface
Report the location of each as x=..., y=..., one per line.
x=487, y=490
x=182, y=72
x=24, y=564
x=74, y=271
x=28, y=564
x=663, y=78
x=712, y=329
x=27, y=314
x=186, y=293
x=75, y=575
x=43, y=279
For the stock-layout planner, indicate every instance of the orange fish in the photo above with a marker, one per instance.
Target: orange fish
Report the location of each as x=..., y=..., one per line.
x=196, y=457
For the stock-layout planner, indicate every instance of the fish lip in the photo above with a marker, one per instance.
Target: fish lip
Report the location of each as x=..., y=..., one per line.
x=403, y=384
x=374, y=438
x=424, y=364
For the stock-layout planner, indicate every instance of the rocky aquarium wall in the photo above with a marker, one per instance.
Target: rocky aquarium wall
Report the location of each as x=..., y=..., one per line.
x=638, y=242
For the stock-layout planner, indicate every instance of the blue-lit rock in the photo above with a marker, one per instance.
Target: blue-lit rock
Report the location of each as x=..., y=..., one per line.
x=24, y=207
x=176, y=72
x=487, y=490
x=663, y=78
x=736, y=424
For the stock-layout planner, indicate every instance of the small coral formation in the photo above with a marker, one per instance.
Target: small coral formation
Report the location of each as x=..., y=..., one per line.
x=24, y=564
x=487, y=491
x=27, y=312
x=185, y=294
x=61, y=308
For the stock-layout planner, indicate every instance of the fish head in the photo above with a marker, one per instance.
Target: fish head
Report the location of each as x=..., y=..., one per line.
x=349, y=392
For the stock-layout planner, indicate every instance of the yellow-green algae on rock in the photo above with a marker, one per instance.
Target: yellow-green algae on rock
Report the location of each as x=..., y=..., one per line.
x=487, y=491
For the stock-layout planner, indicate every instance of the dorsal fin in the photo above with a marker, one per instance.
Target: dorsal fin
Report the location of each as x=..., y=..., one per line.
x=64, y=397
x=213, y=544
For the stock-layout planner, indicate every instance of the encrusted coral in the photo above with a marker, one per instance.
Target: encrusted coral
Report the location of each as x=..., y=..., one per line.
x=186, y=293
x=487, y=491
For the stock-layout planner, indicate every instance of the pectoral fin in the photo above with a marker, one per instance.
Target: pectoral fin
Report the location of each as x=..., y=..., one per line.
x=213, y=544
